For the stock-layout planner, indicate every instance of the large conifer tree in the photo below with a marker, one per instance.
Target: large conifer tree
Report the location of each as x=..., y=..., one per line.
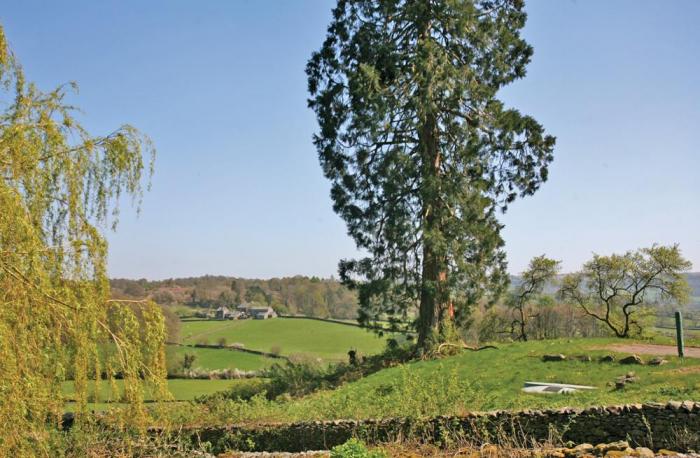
x=420, y=152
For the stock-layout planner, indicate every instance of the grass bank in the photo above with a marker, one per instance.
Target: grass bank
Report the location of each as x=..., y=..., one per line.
x=473, y=381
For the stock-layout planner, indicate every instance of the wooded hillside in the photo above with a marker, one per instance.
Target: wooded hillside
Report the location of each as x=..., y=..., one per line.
x=312, y=296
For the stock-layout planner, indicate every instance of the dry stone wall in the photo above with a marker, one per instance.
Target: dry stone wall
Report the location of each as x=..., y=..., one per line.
x=653, y=425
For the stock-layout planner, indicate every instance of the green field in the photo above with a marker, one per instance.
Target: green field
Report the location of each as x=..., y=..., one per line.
x=485, y=380
x=181, y=390
x=213, y=358
x=668, y=336
x=328, y=341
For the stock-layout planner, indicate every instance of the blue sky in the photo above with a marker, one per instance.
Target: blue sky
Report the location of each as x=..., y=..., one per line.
x=220, y=88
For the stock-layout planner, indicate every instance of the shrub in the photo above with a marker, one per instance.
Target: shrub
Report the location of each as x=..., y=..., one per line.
x=276, y=350
x=302, y=375
x=221, y=342
x=355, y=449
x=243, y=390
x=187, y=361
x=295, y=379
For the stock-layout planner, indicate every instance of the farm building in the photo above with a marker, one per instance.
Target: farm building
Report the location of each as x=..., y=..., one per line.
x=224, y=313
x=262, y=313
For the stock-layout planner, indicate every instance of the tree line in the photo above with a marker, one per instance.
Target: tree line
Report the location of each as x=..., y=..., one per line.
x=298, y=295
x=619, y=294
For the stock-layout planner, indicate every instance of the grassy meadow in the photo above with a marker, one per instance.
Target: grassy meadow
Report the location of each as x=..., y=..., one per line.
x=181, y=390
x=214, y=358
x=289, y=336
x=477, y=381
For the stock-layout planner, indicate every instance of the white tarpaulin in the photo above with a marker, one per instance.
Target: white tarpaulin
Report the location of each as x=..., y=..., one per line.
x=553, y=388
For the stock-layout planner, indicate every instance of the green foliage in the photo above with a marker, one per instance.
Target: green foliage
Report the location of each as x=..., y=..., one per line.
x=296, y=379
x=188, y=360
x=242, y=390
x=420, y=152
x=354, y=448
x=617, y=289
x=539, y=273
x=58, y=186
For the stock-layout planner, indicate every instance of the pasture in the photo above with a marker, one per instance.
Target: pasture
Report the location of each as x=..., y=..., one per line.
x=215, y=358
x=181, y=390
x=289, y=336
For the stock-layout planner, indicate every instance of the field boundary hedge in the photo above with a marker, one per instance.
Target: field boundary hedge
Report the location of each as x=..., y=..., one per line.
x=653, y=425
x=347, y=323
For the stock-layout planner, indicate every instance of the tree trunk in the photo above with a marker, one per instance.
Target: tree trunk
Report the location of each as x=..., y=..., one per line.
x=523, y=334
x=434, y=297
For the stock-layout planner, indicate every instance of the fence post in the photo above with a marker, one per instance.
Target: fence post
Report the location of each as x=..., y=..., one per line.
x=679, y=334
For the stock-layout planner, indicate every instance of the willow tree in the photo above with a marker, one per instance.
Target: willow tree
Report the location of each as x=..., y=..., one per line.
x=421, y=153
x=59, y=187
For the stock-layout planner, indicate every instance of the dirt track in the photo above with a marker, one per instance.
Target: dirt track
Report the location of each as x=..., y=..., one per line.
x=650, y=349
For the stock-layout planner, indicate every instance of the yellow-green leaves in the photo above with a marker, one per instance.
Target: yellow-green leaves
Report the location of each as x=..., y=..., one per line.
x=58, y=186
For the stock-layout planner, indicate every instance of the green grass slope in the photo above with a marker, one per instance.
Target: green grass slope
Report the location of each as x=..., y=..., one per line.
x=328, y=341
x=213, y=358
x=478, y=381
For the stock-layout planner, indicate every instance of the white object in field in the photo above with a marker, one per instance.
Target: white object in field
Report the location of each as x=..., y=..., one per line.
x=553, y=388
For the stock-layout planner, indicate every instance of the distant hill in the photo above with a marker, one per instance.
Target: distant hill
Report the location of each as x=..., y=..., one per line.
x=694, y=281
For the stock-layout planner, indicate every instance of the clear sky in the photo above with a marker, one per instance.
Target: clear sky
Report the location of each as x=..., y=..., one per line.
x=220, y=88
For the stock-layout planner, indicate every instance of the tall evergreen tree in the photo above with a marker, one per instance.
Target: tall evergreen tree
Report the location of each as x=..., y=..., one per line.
x=420, y=152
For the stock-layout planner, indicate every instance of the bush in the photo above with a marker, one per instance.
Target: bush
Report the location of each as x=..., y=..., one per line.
x=355, y=449
x=301, y=375
x=276, y=350
x=187, y=361
x=295, y=379
x=222, y=342
x=241, y=391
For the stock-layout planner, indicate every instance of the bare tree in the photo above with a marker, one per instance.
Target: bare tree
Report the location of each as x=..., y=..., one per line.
x=613, y=289
x=540, y=271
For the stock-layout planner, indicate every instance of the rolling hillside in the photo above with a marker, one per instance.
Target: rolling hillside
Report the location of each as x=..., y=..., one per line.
x=286, y=336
